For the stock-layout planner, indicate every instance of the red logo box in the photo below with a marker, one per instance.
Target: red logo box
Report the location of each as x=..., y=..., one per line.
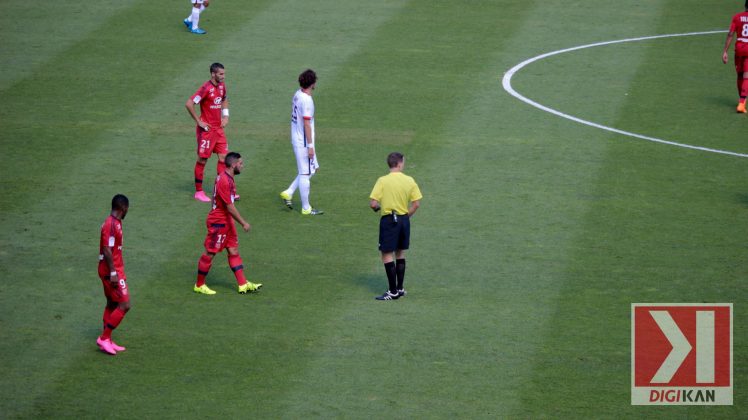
x=681, y=354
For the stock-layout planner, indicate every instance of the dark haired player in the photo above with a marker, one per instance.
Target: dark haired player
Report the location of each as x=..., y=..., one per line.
x=398, y=196
x=214, y=116
x=303, y=142
x=222, y=231
x=739, y=26
x=112, y=274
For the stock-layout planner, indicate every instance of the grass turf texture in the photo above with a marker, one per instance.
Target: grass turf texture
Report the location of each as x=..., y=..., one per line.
x=535, y=235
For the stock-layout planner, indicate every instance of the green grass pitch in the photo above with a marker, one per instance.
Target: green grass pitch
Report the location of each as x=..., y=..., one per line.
x=534, y=237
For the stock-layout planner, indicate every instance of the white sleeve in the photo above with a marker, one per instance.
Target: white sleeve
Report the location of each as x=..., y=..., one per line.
x=307, y=110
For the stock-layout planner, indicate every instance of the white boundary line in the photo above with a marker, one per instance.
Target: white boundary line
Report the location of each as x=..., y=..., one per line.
x=507, y=84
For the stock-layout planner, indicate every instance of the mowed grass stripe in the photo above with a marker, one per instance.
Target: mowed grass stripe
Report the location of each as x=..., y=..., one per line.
x=34, y=34
x=62, y=205
x=656, y=230
x=419, y=343
x=168, y=272
x=90, y=85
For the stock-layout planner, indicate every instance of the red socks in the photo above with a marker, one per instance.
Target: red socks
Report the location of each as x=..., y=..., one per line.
x=107, y=313
x=220, y=167
x=203, y=266
x=235, y=262
x=743, y=88
x=112, y=322
x=199, y=171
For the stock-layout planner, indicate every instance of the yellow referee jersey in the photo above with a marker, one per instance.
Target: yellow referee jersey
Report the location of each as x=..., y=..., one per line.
x=394, y=191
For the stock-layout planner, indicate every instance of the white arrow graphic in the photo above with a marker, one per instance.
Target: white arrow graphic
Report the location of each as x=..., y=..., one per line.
x=681, y=347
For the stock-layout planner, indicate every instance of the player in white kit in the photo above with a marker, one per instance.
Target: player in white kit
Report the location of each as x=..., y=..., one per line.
x=303, y=142
x=194, y=18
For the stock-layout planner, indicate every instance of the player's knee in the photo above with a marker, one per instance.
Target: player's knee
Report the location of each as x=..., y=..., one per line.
x=233, y=251
x=124, y=306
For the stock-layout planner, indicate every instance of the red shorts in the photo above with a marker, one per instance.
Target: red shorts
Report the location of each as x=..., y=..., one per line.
x=741, y=63
x=211, y=141
x=118, y=293
x=221, y=236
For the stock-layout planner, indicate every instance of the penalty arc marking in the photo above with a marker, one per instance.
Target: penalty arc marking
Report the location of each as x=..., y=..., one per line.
x=507, y=84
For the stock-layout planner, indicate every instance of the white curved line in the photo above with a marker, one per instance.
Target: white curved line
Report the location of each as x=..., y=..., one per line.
x=507, y=84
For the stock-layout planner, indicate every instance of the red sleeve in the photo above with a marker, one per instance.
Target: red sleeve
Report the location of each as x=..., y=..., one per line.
x=104, y=237
x=200, y=92
x=107, y=231
x=224, y=190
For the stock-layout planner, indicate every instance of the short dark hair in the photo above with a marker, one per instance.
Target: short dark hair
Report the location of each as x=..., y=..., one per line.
x=394, y=158
x=215, y=66
x=119, y=202
x=307, y=78
x=231, y=157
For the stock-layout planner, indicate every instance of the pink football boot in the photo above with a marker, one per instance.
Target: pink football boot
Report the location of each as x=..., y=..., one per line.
x=106, y=346
x=200, y=196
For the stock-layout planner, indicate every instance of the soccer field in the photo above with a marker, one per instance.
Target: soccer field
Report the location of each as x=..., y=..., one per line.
x=535, y=235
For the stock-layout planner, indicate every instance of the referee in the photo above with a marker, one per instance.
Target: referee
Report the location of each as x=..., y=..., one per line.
x=398, y=196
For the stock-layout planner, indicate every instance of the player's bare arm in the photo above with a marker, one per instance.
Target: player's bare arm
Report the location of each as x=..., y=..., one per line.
x=728, y=42
x=107, y=252
x=308, y=134
x=414, y=205
x=225, y=113
x=190, y=105
x=231, y=208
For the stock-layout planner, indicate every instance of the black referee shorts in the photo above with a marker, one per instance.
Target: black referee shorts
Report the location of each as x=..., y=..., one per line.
x=394, y=233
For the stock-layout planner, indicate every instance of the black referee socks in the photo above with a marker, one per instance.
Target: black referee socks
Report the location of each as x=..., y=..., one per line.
x=389, y=268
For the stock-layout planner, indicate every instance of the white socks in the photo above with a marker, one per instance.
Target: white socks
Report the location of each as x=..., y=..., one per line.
x=303, y=183
x=195, y=16
x=304, y=186
x=294, y=185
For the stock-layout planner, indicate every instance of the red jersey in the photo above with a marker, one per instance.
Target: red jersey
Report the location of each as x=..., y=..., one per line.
x=210, y=97
x=739, y=25
x=111, y=237
x=224, y=192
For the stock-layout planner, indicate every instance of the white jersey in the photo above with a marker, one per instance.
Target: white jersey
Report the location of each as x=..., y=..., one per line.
x=303, y=109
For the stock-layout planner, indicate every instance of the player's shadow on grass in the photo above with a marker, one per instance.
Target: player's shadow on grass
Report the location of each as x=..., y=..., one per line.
x=375, y=283
x=722, y=101
x=742, y=198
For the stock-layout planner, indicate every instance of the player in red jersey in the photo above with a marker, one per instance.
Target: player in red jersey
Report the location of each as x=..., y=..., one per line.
x=214, y=116
x=222, y=231
x=739, y=27
x=112, y=274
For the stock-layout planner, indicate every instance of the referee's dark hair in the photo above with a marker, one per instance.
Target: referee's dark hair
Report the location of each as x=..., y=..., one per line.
x=307, y=78
x=394, y=158
x=215, y=66
x=119, y=202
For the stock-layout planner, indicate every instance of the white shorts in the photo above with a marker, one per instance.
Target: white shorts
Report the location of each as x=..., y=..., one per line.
x=196, y=1
x=305, y=165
